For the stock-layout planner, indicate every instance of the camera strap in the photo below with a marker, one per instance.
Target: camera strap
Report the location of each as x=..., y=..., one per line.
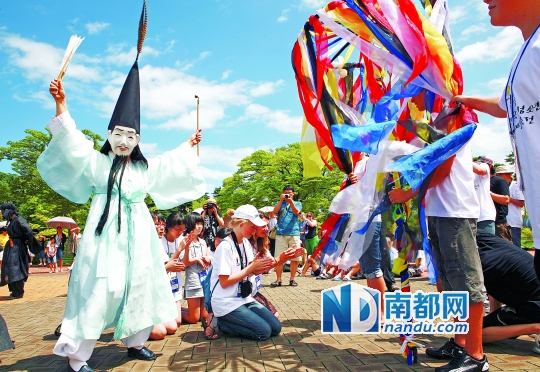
x=233, y=235
x=283, y=212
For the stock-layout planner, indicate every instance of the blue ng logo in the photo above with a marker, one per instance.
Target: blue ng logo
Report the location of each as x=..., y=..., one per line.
x=350, y=308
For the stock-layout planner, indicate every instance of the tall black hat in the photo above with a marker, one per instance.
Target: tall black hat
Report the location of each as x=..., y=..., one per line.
x=127, y=112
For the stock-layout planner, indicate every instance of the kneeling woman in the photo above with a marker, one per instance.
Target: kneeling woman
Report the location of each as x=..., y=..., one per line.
x=239, y=314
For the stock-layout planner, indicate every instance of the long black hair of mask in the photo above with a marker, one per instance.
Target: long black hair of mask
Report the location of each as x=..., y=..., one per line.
x=135, y=156
x=117, y=168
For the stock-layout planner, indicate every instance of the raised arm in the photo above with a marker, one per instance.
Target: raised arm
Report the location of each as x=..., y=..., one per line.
x=57, y=91
x=489, y=105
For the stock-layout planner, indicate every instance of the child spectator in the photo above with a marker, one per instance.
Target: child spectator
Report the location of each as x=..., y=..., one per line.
x=196, y=259
x=51, y=255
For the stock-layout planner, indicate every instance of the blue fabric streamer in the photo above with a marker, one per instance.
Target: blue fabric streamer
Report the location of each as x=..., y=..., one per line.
x=418, y=165
x=382, y=207
x=431, y=264
x=363, y=138
x=387, y=108
x=361, y=107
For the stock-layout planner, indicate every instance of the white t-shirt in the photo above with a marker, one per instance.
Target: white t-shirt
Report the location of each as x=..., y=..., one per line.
x=514, y=218
x=169, y=249
x=455, y=195
x=227, y=262
x=525, y=117
x=482, y=185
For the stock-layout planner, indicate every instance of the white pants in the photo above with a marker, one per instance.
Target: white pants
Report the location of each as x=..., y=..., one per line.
x=79, y=350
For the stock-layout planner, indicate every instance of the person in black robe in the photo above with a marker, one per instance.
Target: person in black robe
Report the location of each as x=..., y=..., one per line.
x=14, y=271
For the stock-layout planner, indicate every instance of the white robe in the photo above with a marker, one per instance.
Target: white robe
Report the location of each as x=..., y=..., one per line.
x=132, y=260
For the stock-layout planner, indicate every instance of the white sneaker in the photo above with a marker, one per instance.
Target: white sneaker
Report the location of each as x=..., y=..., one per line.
x=536, y=347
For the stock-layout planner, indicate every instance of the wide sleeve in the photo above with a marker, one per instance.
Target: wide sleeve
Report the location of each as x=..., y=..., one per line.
x=70, y=165
x=175, y=177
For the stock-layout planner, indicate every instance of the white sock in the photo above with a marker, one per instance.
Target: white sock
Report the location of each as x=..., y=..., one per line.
x=76, y=364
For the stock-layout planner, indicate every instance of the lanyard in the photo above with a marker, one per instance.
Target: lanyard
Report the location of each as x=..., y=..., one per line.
x=169, y=247
x=233, y=235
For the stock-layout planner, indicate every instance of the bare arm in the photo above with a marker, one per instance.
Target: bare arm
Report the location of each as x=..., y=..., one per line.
x=479, y=170
x=57, y=91
x=278, y=205
x=501, y=199
x=312, y=223
x=518, y=203
x=295, y=210
x=219, y=219
x=489, y=105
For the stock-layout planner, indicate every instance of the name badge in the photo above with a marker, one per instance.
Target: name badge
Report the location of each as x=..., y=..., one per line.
x=175, y=286
x=202, y=275
x=258, y=283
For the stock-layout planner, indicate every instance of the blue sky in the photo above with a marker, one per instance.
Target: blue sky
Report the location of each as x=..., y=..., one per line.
x=234, y=54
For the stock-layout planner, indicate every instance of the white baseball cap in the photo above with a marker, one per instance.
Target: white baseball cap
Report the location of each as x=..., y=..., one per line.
x=249, y=212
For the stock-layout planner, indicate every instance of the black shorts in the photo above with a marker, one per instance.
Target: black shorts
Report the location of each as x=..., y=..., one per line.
x=505, y=316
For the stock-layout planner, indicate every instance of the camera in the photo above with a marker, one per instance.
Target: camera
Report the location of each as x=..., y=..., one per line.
x=287, y=196
x=246, y=288
x=210, y=205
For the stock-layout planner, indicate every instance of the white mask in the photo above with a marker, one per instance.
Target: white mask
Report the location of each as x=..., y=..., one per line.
x=123, y=140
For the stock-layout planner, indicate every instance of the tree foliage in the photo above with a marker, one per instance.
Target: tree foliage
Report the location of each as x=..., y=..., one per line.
x=262, y=175
x=510, y=158
x=35, y=200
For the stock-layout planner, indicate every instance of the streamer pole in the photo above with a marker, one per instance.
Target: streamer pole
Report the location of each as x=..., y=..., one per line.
x=198, y=125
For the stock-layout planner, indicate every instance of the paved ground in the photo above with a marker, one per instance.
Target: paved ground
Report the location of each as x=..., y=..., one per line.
x=300, y=347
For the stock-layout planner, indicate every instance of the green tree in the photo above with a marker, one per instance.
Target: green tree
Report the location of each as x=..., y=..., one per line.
x=35, y=200
x=262, y=175
x=510, y=158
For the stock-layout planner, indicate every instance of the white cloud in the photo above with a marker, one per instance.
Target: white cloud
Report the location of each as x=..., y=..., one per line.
x=276, y=119
x=283, y=16
x=44, y=98
x=214, y=174
x=313, y=4
x=96, y=27
x=226, y=74
x=116, y=54
x=184, y=66
x=503, y=45
x=41, y=61
x=458, y=14
x=474, y=29
x=497, y=85
x=150, y=150
x=167, y=94
x=267, y=88
x=492, y=140
x=216, y=155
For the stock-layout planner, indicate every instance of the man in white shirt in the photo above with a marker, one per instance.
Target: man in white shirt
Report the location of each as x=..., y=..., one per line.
x=520, y=101
x=452, y=209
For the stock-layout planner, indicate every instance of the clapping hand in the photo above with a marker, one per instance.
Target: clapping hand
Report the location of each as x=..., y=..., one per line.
x=173, y=266
x=291, y=253
x=262, y=264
